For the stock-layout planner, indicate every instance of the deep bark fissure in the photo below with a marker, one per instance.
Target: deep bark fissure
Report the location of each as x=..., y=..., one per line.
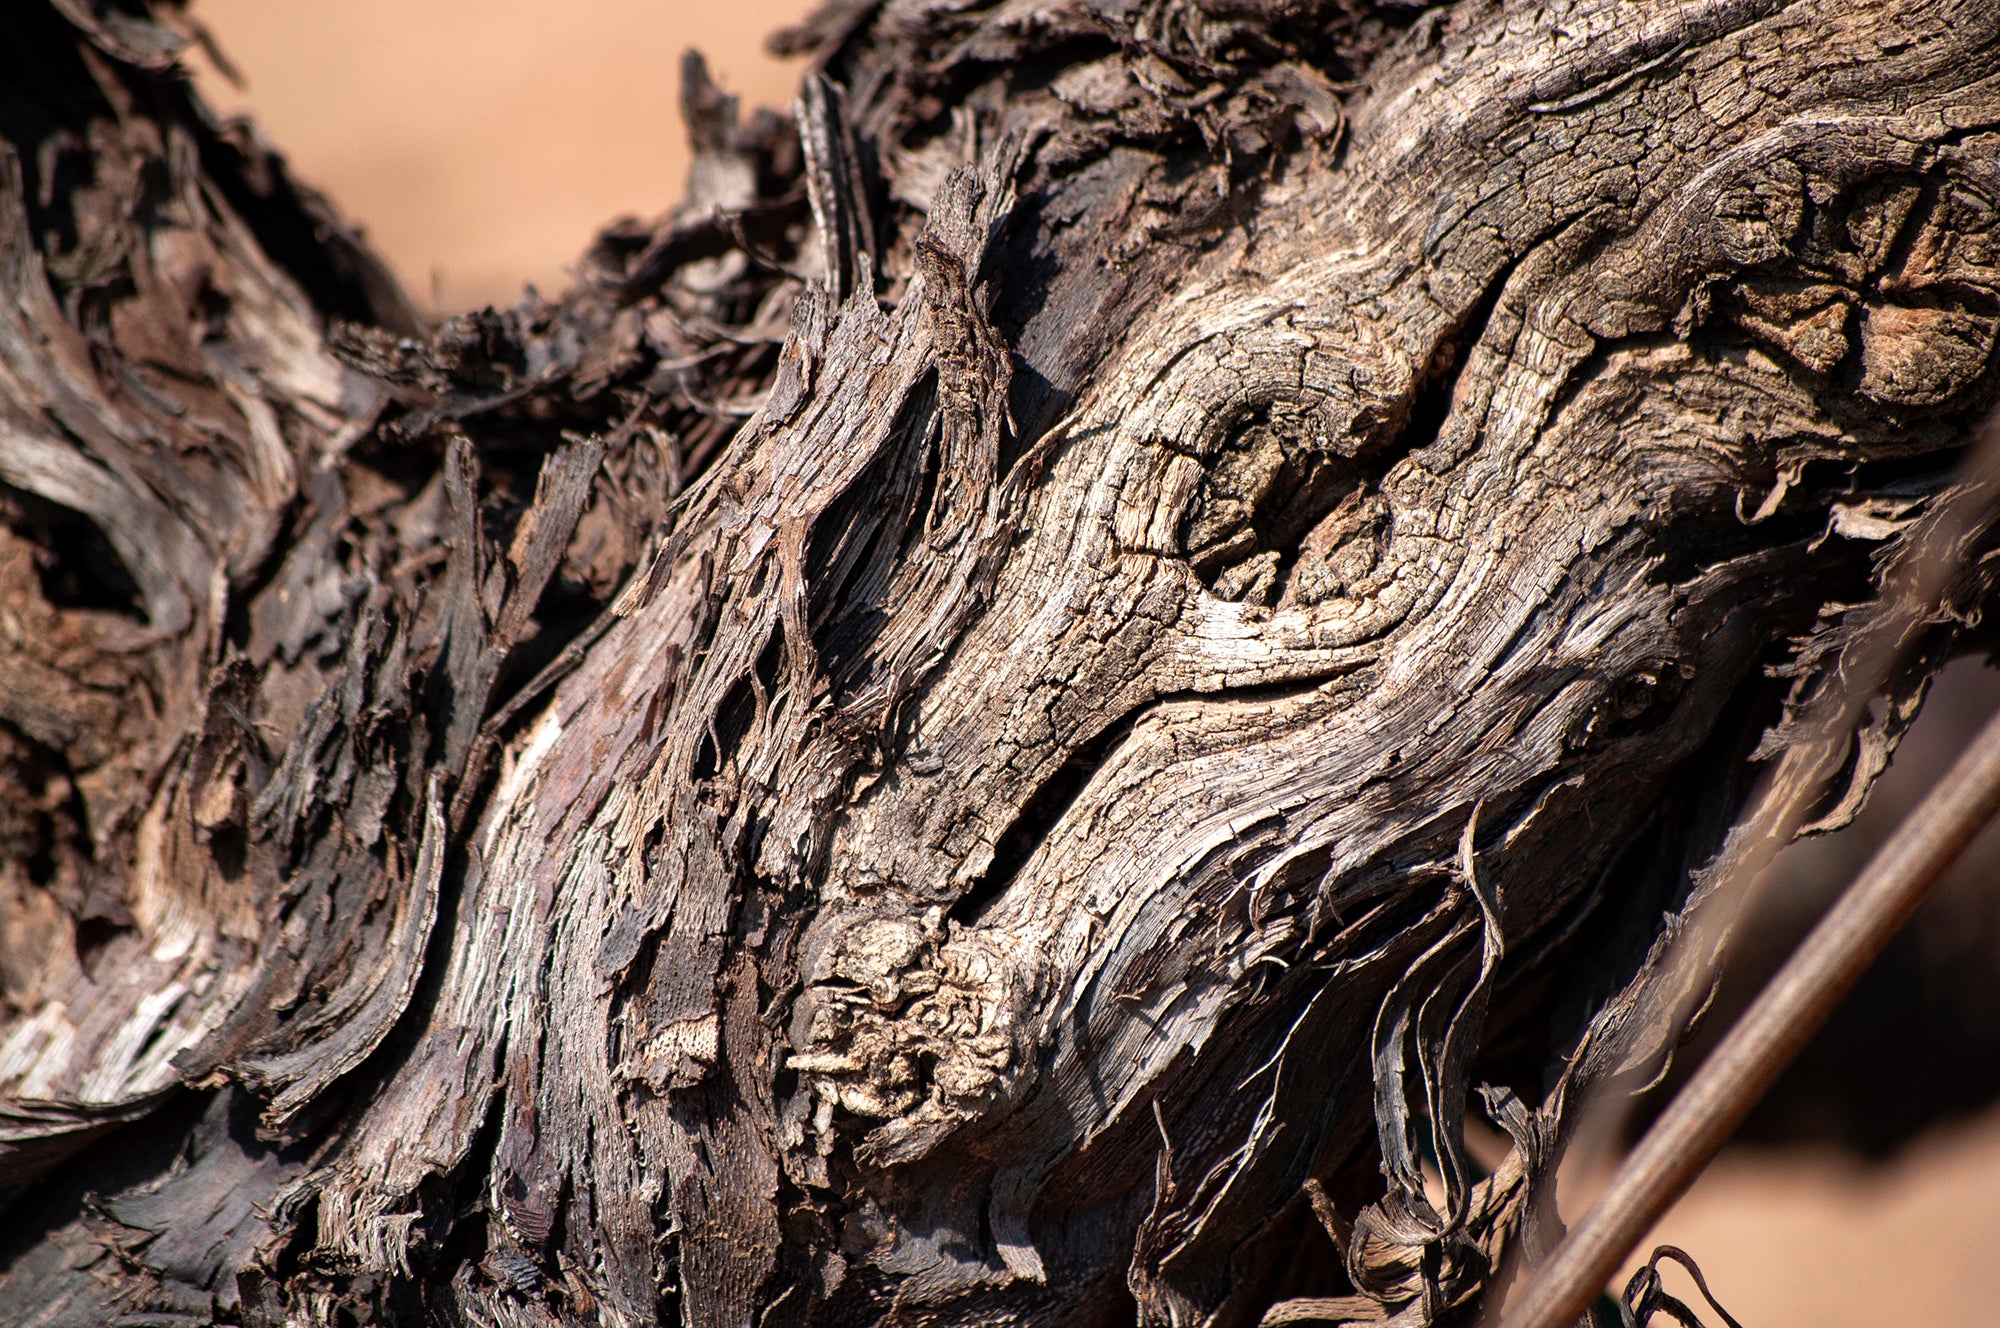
x=1062, y=658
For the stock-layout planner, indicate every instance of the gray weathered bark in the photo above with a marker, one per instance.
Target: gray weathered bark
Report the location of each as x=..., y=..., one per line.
x=988, y=724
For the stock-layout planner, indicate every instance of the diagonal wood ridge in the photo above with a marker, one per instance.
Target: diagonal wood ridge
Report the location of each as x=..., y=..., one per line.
x=1007, y=717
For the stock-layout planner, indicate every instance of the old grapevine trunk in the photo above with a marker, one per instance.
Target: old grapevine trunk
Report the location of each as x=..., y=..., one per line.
x=995, y=722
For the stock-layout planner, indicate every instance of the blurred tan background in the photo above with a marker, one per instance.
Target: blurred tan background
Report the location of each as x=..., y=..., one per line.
x=480, y=143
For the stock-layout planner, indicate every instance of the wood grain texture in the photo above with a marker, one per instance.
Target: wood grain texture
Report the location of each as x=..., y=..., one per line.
x=995, y=722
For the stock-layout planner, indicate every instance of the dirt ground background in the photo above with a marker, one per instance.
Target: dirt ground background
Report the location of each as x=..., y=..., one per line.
x=480, y=143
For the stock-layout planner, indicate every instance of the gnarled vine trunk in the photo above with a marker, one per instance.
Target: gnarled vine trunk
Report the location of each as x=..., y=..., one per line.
x=994, y=722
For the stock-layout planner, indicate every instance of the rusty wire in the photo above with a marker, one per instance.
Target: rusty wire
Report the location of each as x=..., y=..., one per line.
x=1799, y=997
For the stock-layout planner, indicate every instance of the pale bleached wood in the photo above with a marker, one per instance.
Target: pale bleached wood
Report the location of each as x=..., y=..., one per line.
x=1099, y=630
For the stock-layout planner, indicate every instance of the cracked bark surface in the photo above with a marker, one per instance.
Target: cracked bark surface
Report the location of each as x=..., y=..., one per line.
x=993, y=722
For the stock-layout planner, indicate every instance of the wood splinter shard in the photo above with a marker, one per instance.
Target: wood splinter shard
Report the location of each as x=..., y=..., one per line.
x=764, y=791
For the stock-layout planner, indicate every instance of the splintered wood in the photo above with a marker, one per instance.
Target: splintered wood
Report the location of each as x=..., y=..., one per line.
x=1133, y=609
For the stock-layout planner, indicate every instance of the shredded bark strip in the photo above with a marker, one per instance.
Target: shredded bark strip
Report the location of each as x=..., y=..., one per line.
x=1008, y=717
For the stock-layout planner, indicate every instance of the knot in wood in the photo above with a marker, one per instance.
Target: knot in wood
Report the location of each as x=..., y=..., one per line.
x=911, y=1025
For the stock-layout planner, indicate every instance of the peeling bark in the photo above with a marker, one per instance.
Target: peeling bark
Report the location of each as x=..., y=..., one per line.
x=997, y=720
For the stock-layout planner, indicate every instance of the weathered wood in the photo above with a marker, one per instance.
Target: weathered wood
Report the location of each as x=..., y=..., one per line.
x=985, y=724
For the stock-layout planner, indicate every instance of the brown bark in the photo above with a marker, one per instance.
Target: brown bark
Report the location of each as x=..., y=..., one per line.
x=983, y=725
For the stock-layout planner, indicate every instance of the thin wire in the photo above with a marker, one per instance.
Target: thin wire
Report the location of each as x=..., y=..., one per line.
x=1826, y=964
x=1784, y=1016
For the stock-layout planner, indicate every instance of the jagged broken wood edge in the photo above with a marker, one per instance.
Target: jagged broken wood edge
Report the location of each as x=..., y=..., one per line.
x=481, y=383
